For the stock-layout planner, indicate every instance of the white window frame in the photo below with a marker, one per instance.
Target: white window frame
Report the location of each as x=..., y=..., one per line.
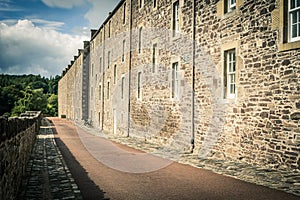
x=175, y=81
x=175, y=17
x=230, y=73
x=139, y=85
x=231, y=4
x=141, y=4
x=291, y=11
x=154, y=3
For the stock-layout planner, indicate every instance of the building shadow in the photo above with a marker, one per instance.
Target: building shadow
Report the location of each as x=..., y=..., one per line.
x=89, y=190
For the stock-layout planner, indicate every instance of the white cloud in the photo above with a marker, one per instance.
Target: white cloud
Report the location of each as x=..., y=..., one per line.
x=48, y=24
x=99, y=11
x=28, y=49
x=7, y=6
x=63, y=3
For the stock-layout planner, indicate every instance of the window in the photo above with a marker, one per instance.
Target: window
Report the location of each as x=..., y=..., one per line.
x=108, y=90
x=100, y=92
x=115, y=73
x=230, y=74
x=124, y=13
x=140, y=39
x=139, y=95
x=154, y=3
x=294, y=20
x=141, y=3
x=175, y=24
x=92, y=70
x=122, y=87
x=123, y=51
x=154, y=57
x=99, y=118
x=108, y=59
x=109, y=29
x=229, y=5
x=100, y=65
x=175, y=81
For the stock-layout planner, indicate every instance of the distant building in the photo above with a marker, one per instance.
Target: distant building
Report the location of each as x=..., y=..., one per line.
x=221, y=74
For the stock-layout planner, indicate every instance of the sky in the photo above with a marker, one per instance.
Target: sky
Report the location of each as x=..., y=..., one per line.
x=43, y=36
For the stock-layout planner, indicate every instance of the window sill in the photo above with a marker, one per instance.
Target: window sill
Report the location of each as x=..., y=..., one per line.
x=229, y=100
x=230, y=13
x=289, y=46
x=175, y=36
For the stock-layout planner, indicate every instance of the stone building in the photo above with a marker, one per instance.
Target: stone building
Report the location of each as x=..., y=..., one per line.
x=218, y=77
x=73, y=87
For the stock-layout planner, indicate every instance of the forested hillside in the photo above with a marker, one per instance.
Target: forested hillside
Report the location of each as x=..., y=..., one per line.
x=19, y=93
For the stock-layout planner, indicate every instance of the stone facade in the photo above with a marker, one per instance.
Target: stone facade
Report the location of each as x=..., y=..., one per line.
x=18, y=135
x=73, y=87
x=218, y=79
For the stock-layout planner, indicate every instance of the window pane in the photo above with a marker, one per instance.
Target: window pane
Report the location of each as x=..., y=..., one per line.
x=233, y=66
x=294, y=30
x=292, y=4
x=294, y=17
x=230, y=67
x=298, y=3
x=232, y=88
x=232, y=78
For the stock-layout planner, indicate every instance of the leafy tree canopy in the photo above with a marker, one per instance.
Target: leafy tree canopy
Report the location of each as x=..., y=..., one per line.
x=19, y=93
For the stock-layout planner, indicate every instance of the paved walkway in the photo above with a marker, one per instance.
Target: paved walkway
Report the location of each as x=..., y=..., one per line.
x=47, y=176
x=103, y=173
x=279, y=179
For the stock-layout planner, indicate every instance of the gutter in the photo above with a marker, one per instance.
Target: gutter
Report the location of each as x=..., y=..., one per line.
x=193, y=81
x=129, y=72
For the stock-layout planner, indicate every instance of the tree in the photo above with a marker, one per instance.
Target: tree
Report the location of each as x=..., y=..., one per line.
x=19, y=93
x=52, y=105
x=34, y=100
x=8, y=96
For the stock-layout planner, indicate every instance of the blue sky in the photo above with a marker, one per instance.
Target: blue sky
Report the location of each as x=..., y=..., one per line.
x=42, y=36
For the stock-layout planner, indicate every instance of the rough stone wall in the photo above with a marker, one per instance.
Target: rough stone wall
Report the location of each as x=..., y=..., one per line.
x=156, y=116
x=110, y=111
x=71, y=94
x=18, y=135
x=259, y=126
x=62, y=96
x=85, y=80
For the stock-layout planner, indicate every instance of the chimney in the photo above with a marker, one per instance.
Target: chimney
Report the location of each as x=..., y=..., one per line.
x=93, y=31
x=86, y=44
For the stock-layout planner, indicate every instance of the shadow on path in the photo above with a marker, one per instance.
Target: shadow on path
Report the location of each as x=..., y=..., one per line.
x=88, y=189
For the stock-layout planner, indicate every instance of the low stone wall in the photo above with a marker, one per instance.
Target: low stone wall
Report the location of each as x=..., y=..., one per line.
x=17, y=137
